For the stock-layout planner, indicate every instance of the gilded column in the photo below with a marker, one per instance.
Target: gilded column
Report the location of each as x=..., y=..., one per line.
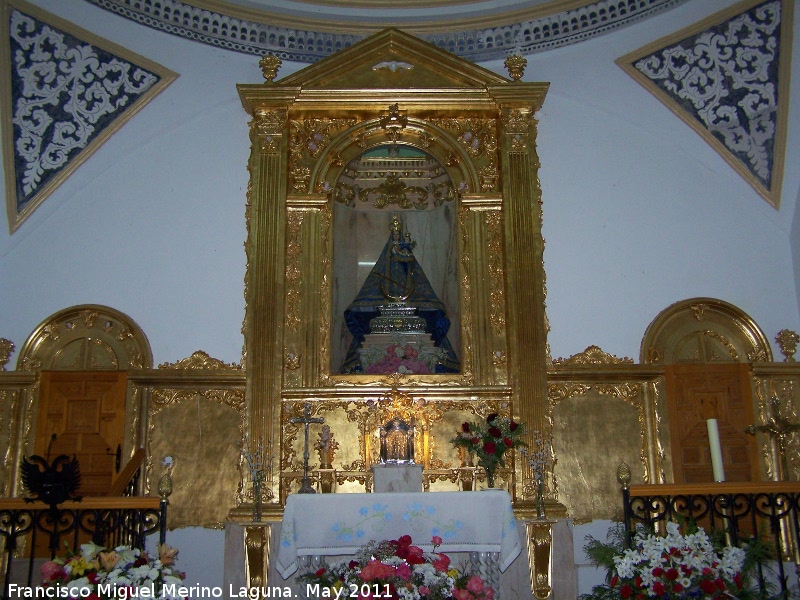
x=265, y=249
x=525, y=267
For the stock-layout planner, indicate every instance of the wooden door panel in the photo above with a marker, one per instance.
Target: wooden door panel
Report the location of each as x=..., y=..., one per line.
x=699, y=392
x=85, y=411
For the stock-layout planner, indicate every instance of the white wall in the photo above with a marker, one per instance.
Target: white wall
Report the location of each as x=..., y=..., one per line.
x=639, y=212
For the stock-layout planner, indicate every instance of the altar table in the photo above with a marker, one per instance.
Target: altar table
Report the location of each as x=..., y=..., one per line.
x=481, y=523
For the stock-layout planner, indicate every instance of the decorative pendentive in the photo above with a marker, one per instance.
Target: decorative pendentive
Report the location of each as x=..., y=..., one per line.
x=722, y=77
x=69, y=91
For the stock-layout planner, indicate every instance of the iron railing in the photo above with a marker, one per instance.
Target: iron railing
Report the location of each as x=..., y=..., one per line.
x=770, y=511
x=33, y=530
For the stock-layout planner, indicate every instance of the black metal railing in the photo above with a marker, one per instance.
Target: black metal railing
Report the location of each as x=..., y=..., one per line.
x=30, y=531
x=744, y=511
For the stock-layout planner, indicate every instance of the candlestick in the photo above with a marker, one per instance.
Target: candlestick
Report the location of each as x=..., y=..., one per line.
x=716, y=450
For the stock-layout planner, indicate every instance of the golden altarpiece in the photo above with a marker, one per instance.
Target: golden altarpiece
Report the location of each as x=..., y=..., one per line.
x=390, y=91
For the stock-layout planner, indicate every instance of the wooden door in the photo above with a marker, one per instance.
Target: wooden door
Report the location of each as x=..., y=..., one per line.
x=83, y=413
x=697, y=392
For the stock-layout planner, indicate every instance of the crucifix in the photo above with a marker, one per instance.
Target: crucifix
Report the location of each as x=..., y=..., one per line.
x=306, y=419
x=779, y=429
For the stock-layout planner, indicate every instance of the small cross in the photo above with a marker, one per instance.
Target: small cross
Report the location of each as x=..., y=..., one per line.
x=306, y=419
x=777, y=428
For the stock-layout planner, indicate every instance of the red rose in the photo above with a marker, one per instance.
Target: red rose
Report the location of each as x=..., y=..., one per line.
x=659, y=588
x=720, y=584
x=489, y=448
x=474, y=441
x=614, y=581
x=638, y=581
x=320, y=572
x=465, y=427
x=491, y=417
x=658, y=572
x=708, y=586
x=626, y=591
x=677, y=587
x=672, y=574
x=508, y=442
x=737, y=579
x=513, y=426
x=495, y=432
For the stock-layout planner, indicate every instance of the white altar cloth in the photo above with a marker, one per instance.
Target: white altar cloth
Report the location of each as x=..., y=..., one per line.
x=340, y=524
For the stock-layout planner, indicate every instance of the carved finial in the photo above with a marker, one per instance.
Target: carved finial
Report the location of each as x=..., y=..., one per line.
x=624, y=474
x=270, y=64
x=6, y=348
x=516, y=63
x=787, y=340
x=394, y=122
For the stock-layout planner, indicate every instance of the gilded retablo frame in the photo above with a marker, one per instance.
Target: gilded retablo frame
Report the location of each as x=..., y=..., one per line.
x=391, y=88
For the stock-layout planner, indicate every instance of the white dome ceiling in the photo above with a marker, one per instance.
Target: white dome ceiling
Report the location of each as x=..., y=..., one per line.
x=307, y=30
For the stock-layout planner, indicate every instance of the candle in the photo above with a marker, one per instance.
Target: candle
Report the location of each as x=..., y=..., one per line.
x=716, y=450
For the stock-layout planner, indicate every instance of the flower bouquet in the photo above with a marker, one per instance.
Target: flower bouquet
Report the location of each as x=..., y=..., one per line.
x=490, y=441
x=410, y=358
x=99, y=573
x=673, y=566
x=397, y=569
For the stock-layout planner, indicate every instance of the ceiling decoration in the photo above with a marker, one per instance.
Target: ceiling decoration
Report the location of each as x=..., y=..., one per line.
x=65, y=92
x=324, y=27
x=727, y=77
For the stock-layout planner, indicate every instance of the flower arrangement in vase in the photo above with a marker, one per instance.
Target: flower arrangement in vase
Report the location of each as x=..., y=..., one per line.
x=489, y=441
x=98, y=573
x=674, y=566
x=398, y=569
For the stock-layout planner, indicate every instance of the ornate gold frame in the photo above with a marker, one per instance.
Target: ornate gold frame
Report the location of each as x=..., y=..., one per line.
x=347, y=103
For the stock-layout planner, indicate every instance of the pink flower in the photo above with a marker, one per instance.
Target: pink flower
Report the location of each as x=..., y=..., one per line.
x=424, y=591
x=404, y=571
x=436, y=540
x=475, y=584
x=52, y=571
x=442, y=563
x=410, y=352
x=375, y=569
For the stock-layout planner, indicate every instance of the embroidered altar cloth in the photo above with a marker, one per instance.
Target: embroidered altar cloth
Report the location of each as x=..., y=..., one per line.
x=340, y=524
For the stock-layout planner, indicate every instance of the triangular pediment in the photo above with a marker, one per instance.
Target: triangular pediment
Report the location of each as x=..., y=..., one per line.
x=392, y=59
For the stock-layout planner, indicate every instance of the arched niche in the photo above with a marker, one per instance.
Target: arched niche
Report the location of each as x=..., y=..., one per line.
x=87, y=337
x=704, y=330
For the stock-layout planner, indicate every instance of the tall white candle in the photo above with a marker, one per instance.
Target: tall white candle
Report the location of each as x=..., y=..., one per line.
x=716, y=450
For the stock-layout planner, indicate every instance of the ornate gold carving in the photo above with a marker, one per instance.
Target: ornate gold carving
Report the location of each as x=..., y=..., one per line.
x=393, y=123
x=788, y=341
x=268, y=128
x=515, y=65
x=540, y=557
x=294, y=276
x=201, y=360
x=292, y=361
x=308, y=138
x=270, y=64
x=699, y=310
x=593, y=355
x=98, y=337
x=715, y=335
x=494, y=227
x=6, y=348
x=478, y=138
x=256, y=552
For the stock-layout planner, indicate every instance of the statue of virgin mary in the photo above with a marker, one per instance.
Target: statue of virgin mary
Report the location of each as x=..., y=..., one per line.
x=397, y=284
